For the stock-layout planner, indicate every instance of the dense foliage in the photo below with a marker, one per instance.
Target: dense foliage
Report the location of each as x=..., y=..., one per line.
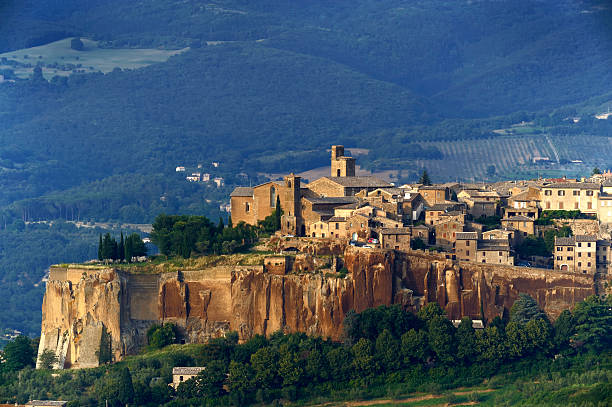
x=385, y=349
x=182, y=235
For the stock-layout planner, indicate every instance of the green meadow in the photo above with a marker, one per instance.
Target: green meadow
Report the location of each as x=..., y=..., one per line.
x=58, y=58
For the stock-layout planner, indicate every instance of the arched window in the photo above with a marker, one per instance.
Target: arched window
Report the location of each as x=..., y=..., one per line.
x=273, y=197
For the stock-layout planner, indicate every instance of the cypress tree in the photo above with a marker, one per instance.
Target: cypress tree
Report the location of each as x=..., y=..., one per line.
x=100, y=249
x=425, y=180
x=278, y=212
x=229, y=221
x=121, y=248
x=128, y=250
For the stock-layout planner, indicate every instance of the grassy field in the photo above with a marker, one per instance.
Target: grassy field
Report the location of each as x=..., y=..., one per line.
x=58, y=58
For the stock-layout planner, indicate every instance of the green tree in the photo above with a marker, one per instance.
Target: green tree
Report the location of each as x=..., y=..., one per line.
x=290, y=366
x=125, y=388
x=425, y=180
x=241, y=381
x=264, y=363
x=563, y=330
x=207, y=384
x=100, y=256
x=429, y=311
x=593, y=323
x=364, y=361
x=159, y=336
x=339, y=361
x=466, y=341
x=415, y=347
x=525, y=308
x=387, y=351
x=18, y=353
x=121, y=249
x=442, y=339
x=596, y=171
x=47, y=359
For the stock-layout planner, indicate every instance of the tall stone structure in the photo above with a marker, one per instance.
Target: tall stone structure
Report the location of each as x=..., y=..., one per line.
x=341, y=166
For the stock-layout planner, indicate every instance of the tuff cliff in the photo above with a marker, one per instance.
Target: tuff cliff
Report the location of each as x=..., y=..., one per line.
x=91, y=312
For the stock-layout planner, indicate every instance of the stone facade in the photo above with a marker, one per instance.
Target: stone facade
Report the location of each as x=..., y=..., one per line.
x=568, y=196
x=576, y=254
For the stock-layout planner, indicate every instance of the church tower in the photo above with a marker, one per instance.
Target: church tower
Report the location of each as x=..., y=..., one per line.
x=341, y=166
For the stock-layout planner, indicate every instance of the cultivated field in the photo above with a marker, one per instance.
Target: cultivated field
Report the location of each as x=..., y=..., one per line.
x=58, y=58
x=513, y=156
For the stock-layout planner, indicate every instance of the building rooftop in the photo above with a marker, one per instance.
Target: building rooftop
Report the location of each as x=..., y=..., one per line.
x=242, y=191
x=467, y=236
x=519, y=218
x=187, y=370
x=570, y=241
x=576, y=185
x=396, y=231
x=337, y=219
x=360, y=182
x=494, y=244
x=46, y=403
x=339, y=200
x=432, y=187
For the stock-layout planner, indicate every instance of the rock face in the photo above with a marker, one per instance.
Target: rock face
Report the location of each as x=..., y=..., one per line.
x=89, y=313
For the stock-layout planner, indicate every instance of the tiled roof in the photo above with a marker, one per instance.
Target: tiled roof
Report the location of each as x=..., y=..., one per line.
x=396, y=231
x=493, y=244
x=242, y=191
x=432, y=187
x=441, y=207
x=564, y=241
x=360, y=182
x=467, y=236
x=585, y=238
x=570, y=241
x=340, y=200
x=337, y=219
x=187, y=370
x=519, y=218
x=46, y=403
x=576, y=185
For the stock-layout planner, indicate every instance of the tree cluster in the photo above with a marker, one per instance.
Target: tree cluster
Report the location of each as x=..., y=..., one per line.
x=184, y=235
x=124, y=250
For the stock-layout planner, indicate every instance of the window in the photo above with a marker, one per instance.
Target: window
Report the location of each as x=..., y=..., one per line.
x=337, y=226
x=576, y=193
x=588, y=244
x=547, y=205
x=180, y=378
x=547, y=192
x=559, y=249
x=560, y=192
x=579, y=254
x=579, y=264
x=579, y=244
x=589, y=205
x=560, y=205
x=467, y=243
x=588, y=254
x=575, y=205
x=570, y=258
x=247, y=207
x=500, y=253
x=589, y=193
x=570, y=249
x=589, y=264
x=467, y=252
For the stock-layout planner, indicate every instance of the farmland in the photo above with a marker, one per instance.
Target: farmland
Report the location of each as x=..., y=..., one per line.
x=58, y=58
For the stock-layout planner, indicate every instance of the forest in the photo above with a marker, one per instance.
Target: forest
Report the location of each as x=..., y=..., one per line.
x=386, y=352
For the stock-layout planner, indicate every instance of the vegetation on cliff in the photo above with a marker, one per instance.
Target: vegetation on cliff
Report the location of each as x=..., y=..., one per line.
x=386, y=352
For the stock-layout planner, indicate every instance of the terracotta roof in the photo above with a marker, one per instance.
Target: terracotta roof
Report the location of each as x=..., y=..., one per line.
x=187, y=370
x=337, y=219
x=467, y=236
x=441, y=207
x=432, y=187
x=242, y=191
x=577, y=185
x=585, y=238
x=564, y=241
x=360, y=182
x=46, y=403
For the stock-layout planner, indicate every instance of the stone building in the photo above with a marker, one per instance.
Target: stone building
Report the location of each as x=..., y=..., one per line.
x=523, y=224
x=182, y=374
x=576, y=254
x=439, y=213
x=396, y=238
x=434, y=194
x=569, y=196
x=446, y=233
x=468, y=247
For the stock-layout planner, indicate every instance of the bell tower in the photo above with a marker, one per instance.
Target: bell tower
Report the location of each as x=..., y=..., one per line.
x=341, y=166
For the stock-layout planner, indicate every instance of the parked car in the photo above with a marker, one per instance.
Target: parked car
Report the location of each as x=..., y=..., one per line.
x=373, y=240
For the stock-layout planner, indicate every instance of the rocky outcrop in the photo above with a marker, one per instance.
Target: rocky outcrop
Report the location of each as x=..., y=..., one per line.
x=87, y=310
